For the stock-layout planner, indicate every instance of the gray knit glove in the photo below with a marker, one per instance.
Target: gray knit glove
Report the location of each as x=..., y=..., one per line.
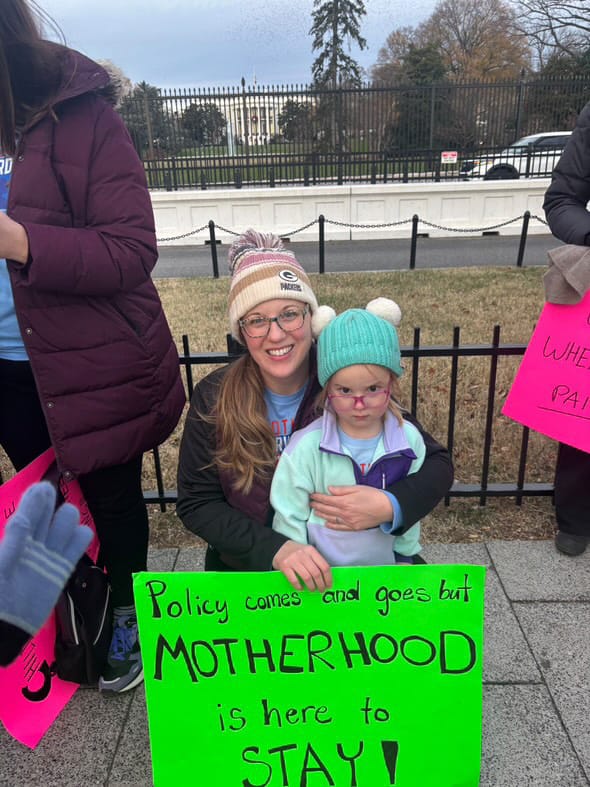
x=37, y=556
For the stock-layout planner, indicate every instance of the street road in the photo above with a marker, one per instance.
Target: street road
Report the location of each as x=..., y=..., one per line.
x=372, y=255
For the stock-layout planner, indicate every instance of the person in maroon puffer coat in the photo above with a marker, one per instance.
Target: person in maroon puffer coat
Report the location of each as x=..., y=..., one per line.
x=87, y=361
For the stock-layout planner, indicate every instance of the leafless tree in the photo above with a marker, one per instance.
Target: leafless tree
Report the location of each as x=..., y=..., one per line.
x=555, y=27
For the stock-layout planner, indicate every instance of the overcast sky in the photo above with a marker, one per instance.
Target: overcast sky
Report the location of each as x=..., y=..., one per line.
x=194, y=43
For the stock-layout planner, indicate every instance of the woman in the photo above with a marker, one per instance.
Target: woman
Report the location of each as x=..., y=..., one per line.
x=565, y=206
x=241, y=416
x=87, y=362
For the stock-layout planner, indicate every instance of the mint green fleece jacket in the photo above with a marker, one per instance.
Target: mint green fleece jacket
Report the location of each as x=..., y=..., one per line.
x=313, y=460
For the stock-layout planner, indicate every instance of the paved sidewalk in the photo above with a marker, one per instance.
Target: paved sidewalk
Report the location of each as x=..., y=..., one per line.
x=536, y=684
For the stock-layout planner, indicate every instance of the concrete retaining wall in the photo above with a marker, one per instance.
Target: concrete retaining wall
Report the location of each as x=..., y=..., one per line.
x=472, y=206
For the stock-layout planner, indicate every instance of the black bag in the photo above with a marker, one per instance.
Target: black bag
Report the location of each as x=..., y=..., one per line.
x=84, y=624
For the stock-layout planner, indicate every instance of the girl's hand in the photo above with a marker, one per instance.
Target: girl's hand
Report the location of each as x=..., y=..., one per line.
x=352, y=507
x=302, y=561
x=14, y=241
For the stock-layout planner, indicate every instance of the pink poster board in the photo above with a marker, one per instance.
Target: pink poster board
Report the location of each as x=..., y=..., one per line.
x=32, y=698
x=551, y=390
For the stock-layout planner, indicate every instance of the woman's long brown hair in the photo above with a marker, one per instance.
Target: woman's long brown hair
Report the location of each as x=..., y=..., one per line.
x=30, y=68
x=246, y=446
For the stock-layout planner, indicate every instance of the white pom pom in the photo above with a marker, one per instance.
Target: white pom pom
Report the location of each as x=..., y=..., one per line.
x=386, y=309
x=321, y=317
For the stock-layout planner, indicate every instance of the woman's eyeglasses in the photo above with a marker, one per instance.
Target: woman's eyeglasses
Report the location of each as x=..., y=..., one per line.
x=346, y=401
x=257, y=326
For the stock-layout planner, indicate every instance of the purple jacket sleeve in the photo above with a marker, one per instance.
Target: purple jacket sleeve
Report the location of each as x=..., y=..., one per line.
x=114, y=249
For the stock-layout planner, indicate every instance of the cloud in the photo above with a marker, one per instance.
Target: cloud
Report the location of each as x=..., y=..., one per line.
x=180, y=43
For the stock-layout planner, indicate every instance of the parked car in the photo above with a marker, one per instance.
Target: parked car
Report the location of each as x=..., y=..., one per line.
x=532, y=156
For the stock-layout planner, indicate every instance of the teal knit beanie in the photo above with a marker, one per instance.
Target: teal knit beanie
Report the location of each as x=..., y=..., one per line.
x=358, y=336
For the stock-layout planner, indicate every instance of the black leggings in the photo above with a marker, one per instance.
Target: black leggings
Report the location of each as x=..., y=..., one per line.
x=113, y=494
x=572, y=491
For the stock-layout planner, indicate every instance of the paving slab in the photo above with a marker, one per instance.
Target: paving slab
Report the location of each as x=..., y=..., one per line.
x=132, y=766
x=559, y=635
x=524, y=743
x=507, y=657
x=536, y=571
x=162, y=559
x=77, y=750
x=457, y=553
x=191, y=559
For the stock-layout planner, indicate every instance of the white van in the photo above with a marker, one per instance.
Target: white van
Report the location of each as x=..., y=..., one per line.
x=532, y=156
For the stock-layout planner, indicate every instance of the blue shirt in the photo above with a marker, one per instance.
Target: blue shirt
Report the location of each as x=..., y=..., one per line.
x=281, y=410
x=11, y=343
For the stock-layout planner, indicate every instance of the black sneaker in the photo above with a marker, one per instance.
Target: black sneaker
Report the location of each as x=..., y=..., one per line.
x=124, y=668
x=570, y=544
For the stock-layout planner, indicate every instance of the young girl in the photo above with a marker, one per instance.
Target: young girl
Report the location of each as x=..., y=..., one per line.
x=361, y=438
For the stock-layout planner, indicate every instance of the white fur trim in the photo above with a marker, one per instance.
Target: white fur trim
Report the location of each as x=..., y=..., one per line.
x=386, y=309
x=321, y=317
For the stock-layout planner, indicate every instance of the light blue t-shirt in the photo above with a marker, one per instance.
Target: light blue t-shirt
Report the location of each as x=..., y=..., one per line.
x=11, y=343
x=361, y=450
x=281, y=411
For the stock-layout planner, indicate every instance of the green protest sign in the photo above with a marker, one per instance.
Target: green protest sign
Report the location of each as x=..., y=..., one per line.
x=377, y=682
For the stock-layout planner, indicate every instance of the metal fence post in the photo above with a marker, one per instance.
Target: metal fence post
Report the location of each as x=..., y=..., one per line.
x=414, y=242
x=213, y=249
x=529, y=158
x=321, y=223
x=185, y=359
x=405, y=170
x=523, y=236
x=489, y=422
x=159, y=479
x=519, y=102
x=453, y=396
x=415, y=371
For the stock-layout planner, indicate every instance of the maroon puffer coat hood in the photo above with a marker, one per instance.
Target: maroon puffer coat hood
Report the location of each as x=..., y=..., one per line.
x=104, y=361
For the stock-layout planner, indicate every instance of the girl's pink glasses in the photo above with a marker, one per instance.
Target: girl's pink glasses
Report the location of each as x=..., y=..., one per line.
x=348, y=401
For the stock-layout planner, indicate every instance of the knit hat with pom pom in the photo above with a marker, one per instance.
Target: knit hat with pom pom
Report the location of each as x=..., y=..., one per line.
x=263, y=270
x=358, y=336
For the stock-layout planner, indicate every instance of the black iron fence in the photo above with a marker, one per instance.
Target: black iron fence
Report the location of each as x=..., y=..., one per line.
x=301, y=135
x=514, y=484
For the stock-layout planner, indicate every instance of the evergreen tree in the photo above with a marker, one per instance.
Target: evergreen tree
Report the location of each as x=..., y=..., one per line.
x=336, y=22
x=295, y=121
x=204, y=123
x=147, y=122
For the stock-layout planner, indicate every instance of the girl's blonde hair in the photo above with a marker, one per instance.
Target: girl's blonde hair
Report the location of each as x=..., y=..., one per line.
x=394, y=405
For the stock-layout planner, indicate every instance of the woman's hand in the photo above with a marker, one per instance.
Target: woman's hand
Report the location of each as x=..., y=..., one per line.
x=352, y=507
x=302, y=561
x=14, y=241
